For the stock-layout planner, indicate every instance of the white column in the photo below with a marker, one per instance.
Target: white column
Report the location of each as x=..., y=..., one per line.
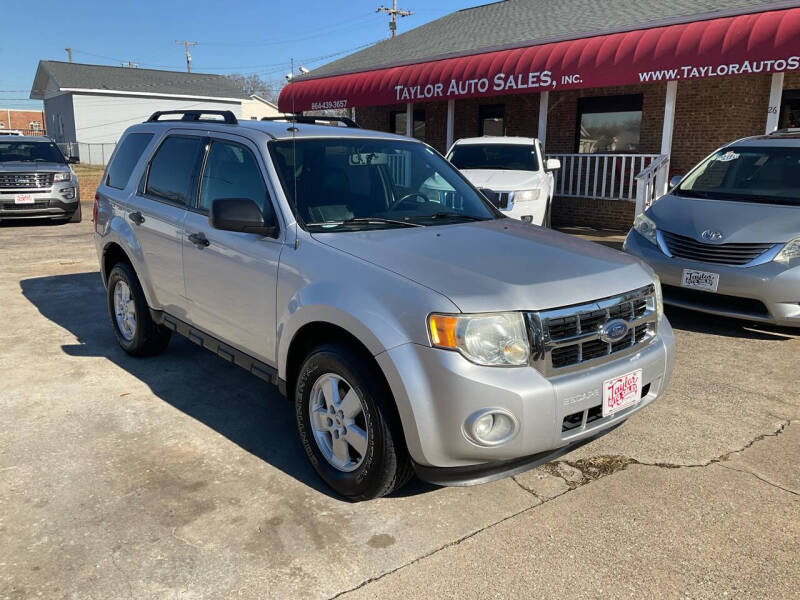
x=544, y=99
x=774, y=108
x=410, y=119
x=451, y=121
x=669, y=117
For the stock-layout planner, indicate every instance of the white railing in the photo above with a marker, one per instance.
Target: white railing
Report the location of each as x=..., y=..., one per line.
x=651, y=183
x=602, y=176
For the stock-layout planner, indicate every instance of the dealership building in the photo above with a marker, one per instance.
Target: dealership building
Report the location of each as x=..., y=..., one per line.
x=623, y=93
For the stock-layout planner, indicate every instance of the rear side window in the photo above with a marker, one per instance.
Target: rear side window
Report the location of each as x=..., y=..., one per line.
x=174, y=169
x=125, y=159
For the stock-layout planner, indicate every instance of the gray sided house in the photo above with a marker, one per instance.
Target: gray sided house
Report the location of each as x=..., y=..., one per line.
x=94, y=104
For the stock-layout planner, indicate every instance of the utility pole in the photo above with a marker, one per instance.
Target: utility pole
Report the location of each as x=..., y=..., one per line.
x=186, y=45
x=394, y=12
x=69, y=53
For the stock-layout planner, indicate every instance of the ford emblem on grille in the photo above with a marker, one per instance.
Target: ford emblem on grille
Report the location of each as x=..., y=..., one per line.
x=614, y=331
x=711, y=235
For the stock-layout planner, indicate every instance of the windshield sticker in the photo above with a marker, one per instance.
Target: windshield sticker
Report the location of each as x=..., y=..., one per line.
x=728, y=156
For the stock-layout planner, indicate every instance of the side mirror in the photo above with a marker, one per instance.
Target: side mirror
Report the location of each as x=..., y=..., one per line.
x=552, y=164
x=675, y=180
x=73, y=160
x=242, y=215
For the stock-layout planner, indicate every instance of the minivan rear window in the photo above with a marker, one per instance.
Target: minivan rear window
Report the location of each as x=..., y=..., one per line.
x=125, y=158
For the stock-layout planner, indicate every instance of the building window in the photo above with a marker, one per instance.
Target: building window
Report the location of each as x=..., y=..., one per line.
x=790, y=109
x=491, y=119
x=35, y=126
x=609, y=124
x=397, y=123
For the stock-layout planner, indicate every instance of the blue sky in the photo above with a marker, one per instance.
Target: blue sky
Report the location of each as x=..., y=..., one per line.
x=243, y=37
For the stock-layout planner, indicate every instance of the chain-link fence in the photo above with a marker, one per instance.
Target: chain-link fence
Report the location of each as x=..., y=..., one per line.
x=88, y=153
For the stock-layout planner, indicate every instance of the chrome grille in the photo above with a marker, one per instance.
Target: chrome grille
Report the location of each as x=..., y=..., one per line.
x=500, y=199
x=723, y=254
x=566, y=339
x=26, y=181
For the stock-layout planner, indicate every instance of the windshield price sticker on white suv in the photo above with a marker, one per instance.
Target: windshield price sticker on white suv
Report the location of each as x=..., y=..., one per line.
x=702, y=280
x=621, y=392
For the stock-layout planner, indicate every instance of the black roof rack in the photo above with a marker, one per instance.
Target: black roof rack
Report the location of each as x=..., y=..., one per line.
x=786, y=130
x=312, y=120
x=195, y=115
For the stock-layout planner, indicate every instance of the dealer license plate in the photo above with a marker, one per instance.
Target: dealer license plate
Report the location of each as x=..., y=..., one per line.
x=701, y=280
x=621, y=392
x=23, y=199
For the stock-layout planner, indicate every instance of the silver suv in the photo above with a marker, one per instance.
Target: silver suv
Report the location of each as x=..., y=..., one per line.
x=726, y=239
x=411, y=334
x=36, y=181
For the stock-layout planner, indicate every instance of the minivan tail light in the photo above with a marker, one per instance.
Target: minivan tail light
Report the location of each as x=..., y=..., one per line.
x=94, y=211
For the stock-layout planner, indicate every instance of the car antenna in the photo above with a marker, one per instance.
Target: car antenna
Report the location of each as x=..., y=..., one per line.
x=293, y=129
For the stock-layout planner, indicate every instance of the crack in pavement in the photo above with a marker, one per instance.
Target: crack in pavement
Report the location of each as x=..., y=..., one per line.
x=767, y=481
x=594, y=468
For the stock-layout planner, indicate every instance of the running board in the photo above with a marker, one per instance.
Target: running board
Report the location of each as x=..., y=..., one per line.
x=221, y=349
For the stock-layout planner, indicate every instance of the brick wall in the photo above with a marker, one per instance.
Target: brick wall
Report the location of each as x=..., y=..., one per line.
x=20, y=119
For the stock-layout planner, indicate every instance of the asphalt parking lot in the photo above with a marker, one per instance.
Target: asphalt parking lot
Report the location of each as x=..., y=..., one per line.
x=181, y=476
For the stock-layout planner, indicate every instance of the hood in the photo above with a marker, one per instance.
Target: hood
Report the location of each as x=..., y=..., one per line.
x=504, y=181
x=496, y=265
x=32, y=167
x=738, y=222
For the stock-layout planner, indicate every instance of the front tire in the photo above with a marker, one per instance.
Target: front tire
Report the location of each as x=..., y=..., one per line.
x=76, y=216
x=346, y=425
x=547, y=221
x=135, y=329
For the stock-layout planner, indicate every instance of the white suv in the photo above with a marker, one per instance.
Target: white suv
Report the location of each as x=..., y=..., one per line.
x=512, y=172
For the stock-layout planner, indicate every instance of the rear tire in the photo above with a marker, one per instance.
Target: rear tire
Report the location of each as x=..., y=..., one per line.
x=76, y=216
x=350, y=403
x=135, y=329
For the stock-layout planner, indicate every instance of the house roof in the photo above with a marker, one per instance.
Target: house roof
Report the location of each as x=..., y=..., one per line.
x=148, y=82
x=516, y=23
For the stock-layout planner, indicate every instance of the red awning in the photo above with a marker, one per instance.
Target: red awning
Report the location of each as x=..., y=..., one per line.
x=755, y=43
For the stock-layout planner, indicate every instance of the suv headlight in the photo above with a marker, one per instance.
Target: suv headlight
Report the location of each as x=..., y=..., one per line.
x=789, y=251
x=492, y=339
x=62, y=177
x=646, y=227
x=526, y=196
x=659, y=296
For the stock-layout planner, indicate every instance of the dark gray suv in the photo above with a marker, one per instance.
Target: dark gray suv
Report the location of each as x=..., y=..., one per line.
x=36, y=181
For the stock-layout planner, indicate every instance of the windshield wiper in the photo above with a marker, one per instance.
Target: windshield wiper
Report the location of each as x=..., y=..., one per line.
x=365, y=220
x=449, y=215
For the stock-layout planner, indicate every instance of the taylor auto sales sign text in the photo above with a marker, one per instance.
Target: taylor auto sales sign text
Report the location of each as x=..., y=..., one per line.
x=747, y=44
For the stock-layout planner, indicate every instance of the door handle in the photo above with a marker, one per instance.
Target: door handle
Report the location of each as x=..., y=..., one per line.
x=136, y=217
x=199, y=239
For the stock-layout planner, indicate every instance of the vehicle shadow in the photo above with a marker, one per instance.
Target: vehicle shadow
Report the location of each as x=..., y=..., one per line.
x=691, y=320
x=237, y=405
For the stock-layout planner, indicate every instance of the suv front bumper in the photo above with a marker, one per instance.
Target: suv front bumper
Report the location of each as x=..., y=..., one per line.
x=51, y=203
x=770, y=292
x=437, y=391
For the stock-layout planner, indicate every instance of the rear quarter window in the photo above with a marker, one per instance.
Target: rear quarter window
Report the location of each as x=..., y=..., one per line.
x=125, y=159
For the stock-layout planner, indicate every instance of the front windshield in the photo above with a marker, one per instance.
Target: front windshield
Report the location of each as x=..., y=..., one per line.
x=26, y=151
x=345, y=184
x=768, y=175
x=506, y=157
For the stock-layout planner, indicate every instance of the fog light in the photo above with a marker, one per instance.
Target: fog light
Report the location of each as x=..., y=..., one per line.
x=491, y=427
x=68, y=193
x=527, y=219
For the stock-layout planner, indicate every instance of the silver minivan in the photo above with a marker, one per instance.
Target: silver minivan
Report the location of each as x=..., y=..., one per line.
x=726, y=238
x=413, y=332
